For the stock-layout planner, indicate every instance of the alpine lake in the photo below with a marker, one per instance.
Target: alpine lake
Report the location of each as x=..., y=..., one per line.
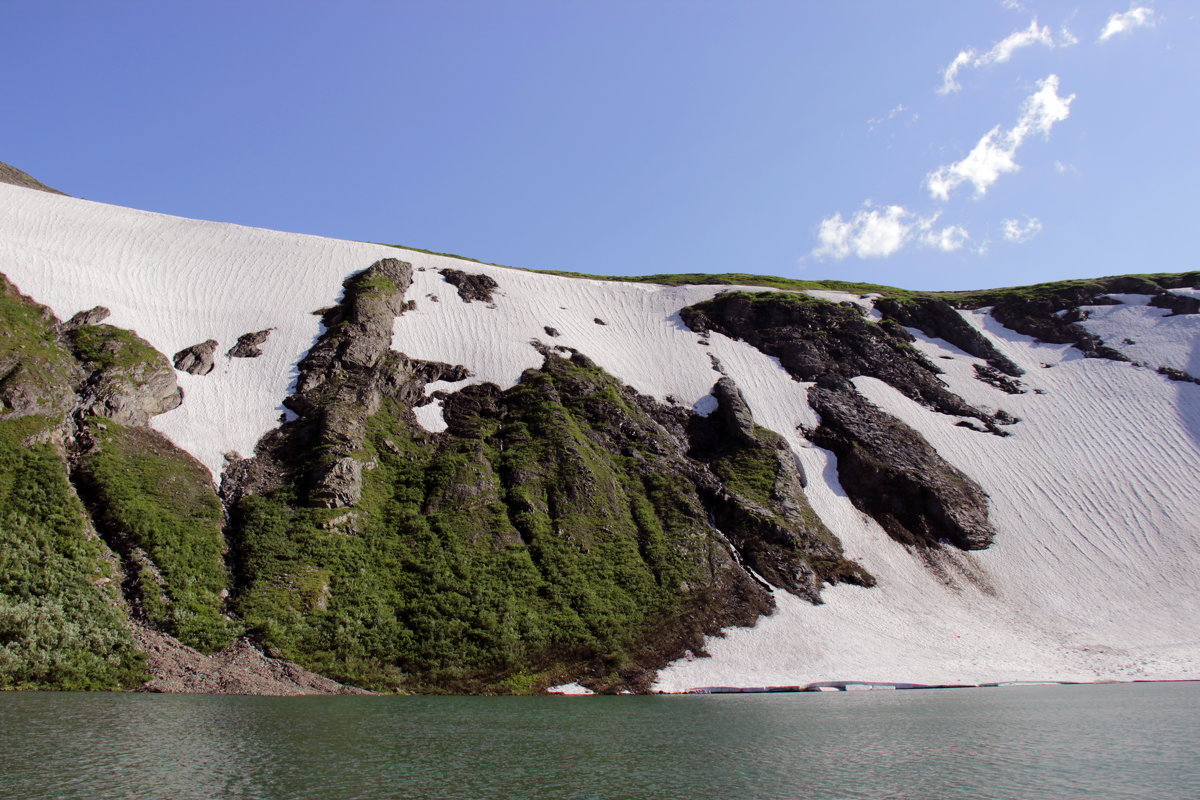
x=1139, y=740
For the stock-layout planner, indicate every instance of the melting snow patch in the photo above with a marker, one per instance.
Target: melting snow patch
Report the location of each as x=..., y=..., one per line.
x=569, y=688
x=429, y=416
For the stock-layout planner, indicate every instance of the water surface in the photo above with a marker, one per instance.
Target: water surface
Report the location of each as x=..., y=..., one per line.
x=1110, y=741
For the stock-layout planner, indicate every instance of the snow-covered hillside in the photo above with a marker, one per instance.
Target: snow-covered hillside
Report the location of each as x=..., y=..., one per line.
x=1095, y=495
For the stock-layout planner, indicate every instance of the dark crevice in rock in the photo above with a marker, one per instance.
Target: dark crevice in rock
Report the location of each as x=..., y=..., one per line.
x=891, y=472
x=471, y=285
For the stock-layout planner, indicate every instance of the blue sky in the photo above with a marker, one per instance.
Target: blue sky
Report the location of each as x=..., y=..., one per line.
x=931, y=145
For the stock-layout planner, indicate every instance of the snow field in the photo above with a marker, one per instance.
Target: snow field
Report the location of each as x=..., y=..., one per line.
x=1094, y=495
x=1093, y=572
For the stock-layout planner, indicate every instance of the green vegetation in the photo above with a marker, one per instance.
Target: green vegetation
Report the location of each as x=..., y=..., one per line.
x=969, y=298
x=105, y=347
x=37, y=374
x=161, y=499
x=485, y=559
x=60, y=623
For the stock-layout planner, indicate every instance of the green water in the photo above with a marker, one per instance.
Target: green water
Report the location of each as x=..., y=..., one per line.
x=1114, y=741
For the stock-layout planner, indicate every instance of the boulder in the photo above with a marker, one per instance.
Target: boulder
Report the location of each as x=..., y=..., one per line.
x=197, y=359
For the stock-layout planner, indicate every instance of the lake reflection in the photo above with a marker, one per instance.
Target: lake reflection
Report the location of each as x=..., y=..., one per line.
x=1136, y=740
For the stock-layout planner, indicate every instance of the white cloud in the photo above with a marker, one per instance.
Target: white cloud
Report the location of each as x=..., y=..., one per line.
x=1016, y=231
x=880, y=231
x=1068, y=39
x=1001, y=52
x=1140, y=17
x=995, y=153
x=872, y=124
x=950, y=73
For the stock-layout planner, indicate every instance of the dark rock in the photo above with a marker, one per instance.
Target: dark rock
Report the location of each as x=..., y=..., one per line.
x=129, y=380
x=197, y=359
x=550, y=331
x=471, y=285
x=599, y=321
x=733, y=411
x=1177, y=375
x=991, y=376
x=891, y=472
x=816, y=340
x=92, y=316
x=248, y=344
x=771, y=527
x=339, y=484
x=938, y=319
x=1176, y=303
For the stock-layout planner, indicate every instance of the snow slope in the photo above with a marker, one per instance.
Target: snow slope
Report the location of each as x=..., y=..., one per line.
x=1095, y=494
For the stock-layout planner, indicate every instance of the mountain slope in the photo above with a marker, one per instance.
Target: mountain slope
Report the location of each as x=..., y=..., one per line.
x=1089, y=500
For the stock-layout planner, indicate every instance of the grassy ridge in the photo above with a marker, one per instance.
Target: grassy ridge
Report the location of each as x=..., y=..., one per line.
x=481, y=561
x=161, y=499
x=60, y=625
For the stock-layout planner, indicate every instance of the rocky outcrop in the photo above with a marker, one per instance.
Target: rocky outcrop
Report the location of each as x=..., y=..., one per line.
x=130, y=381
x=1176, y=303
x=737, y=422
x=343, y=381
x=754, y=491
x=197, y=359
x=891, y=472
x=248, y=344
x=815, y=338
x=93, y=316
x=938, y=319
x=1051, y=312
x=471, y=285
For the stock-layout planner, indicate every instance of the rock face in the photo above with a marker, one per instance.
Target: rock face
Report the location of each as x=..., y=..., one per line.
x=130, y=381
x=757, y=501
x=1176, y=303
x=93, y=316
x=813, y=338
x=937, y=318
x=197, y=359
x=471, y=285
x=248, y=344
x=643, y=525
x=890, y=472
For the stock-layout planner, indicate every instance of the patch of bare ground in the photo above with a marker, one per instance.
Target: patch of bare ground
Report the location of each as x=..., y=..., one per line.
x=238, y=669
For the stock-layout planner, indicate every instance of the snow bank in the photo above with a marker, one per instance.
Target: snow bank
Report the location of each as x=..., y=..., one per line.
x=1093, y=574
x=1095, y=494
